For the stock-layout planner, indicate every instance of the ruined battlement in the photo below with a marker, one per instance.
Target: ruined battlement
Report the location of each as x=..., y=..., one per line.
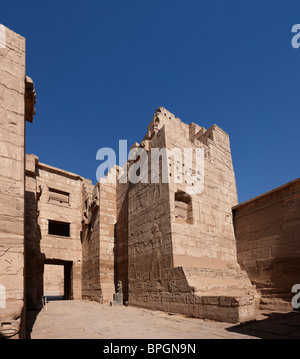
x=197, y=135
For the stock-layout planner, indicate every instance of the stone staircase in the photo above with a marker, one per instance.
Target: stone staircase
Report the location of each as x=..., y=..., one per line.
x=273, y=298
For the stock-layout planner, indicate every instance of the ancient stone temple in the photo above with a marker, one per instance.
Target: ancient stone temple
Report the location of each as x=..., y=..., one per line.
x=181, y=253
x=158, y=233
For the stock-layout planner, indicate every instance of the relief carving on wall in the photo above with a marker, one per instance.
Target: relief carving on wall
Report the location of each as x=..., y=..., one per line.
x=8, y=264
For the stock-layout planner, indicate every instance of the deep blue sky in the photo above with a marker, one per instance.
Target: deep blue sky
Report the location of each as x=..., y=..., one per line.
x=101, y=68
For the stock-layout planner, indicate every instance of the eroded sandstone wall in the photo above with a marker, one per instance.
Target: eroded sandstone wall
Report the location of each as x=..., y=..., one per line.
x=150, y=252
x=268, y=243
x=181, y=244
x=12, y=182
x=204, y=218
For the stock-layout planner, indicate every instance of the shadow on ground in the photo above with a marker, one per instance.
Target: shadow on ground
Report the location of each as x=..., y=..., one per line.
x=272, y=325
x=52, y=298
x=31, y=315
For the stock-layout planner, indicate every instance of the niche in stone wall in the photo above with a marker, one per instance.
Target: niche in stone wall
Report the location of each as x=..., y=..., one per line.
x=183, y=208
x=58, y=197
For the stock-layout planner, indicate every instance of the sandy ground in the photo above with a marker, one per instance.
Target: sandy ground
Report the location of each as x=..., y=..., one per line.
x=90, y=320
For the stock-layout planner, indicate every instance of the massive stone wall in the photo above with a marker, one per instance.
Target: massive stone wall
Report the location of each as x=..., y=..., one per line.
x=268, y=243
x=149, y=237
x=207, y=222
x=17, y=99
x=181, y=245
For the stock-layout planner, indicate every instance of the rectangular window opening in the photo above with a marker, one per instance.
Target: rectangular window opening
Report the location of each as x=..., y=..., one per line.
x=57, y=228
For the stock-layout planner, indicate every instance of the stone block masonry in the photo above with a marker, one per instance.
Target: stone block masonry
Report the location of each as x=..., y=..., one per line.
x=53, y=206
x=172, y=250
x=268, y=243
x=181, y=246
x=17, y=98
x=66, y=227
x=171, y=243
x=98, y=241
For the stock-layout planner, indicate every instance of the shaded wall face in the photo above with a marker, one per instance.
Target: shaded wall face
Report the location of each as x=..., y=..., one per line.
x=12, y=139
x=268, y=240
x=98, y=242
x=34, y=260
x=121, y=233
x=91, y=288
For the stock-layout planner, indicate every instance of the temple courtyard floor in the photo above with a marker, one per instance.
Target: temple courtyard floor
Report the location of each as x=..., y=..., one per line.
x=90, y=320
